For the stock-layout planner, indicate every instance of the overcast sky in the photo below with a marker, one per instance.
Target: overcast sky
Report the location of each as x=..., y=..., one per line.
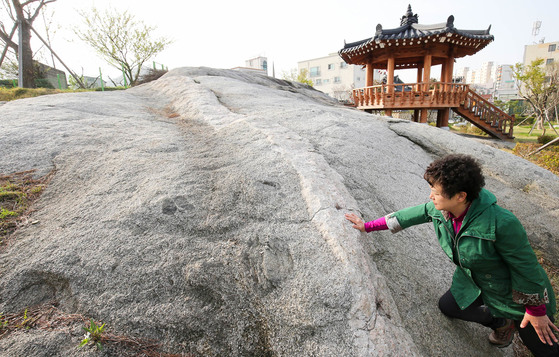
x=224, y=33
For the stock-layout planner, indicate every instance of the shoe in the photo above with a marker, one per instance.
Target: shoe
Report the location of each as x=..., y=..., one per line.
x=502, y=336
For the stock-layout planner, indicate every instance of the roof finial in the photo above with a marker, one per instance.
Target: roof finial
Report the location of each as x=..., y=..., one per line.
x=409, y=18
x=450, y=21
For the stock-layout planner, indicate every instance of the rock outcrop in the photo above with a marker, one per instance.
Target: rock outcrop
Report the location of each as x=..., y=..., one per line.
x=205, y=211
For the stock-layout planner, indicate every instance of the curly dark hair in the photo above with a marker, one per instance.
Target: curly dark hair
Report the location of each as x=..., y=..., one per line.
x=456, y=173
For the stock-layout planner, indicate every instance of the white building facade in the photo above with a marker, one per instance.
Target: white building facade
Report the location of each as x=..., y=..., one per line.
x=334, y=77
x=462, y=74
x=505, y=85
x=549, y=52
x=486, y=75
x=255, y=65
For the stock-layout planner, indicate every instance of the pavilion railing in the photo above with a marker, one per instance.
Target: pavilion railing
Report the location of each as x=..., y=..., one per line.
x=409, y=95
x=436, y=95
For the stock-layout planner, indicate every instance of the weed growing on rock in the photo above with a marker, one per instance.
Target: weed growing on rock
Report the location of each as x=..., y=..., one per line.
x=25, y=323
x=93, y=334
x=17, y=193
x=48, y=317
x=5, y=213
x=3, y=322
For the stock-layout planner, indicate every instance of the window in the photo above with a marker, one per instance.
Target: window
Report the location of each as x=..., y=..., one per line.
x=326, y=81
x=549, y=61
x=315, y=71
x=318, y=81
x=331, y=66
x=552, y=47
x=337, y=79
x=343, y=65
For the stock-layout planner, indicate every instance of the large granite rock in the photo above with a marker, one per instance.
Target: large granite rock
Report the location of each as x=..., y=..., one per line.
x=205, y=211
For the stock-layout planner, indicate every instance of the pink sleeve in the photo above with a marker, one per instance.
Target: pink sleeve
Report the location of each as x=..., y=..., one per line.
x=376, y=225
x=535, y=310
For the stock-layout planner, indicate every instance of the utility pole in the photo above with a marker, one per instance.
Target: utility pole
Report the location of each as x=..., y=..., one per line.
x=21, y=69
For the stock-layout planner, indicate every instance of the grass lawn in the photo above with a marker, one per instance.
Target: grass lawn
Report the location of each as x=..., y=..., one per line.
x=521, y=133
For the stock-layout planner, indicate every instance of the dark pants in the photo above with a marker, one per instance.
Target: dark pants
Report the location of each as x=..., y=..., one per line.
x=479, y=313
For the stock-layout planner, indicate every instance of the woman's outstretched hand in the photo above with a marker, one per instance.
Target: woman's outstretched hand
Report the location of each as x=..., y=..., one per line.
x=357, y=222
x=543, y=326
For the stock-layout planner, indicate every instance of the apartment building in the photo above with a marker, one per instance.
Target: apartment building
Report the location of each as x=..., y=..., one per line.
x=331, y=75
x=549, y=52
x=462, y=74
x=255, y=65
x=505, y=85
x=486, y=75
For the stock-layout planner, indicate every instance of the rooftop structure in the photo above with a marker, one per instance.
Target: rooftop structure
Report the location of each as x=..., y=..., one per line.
x=417, y=46
x=255, y=65
x=410, y=42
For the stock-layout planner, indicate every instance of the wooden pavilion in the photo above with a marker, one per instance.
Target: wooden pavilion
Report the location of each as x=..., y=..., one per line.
x=420, y=47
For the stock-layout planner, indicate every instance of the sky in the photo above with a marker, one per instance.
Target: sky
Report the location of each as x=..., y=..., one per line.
x=225, y=33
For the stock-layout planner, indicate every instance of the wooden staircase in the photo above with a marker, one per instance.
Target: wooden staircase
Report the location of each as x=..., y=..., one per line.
x=486, y=116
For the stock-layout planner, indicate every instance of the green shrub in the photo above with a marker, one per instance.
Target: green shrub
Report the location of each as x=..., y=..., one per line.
x=43, y=83
x=6, y=83
x=544, y=139
x=474, y=130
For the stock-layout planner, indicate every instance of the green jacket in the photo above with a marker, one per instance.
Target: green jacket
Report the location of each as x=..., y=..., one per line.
x=492, y=255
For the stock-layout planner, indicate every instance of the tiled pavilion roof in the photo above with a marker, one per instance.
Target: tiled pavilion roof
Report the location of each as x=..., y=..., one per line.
x=412, y=37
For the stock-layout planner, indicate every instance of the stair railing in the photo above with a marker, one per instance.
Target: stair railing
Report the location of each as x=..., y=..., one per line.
x=488, y=113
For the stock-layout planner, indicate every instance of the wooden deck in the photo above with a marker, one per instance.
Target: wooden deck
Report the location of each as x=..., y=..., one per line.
x=439, y=95
x=410, y=96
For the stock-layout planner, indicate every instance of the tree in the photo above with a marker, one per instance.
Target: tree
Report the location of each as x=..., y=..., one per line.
x=22, y=15
x=538, y=85
x=301, y=77
x=341, y=92
x=50, y=31
x=123, y=42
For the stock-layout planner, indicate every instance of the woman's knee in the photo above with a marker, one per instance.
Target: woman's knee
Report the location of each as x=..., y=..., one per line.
x=448, y=305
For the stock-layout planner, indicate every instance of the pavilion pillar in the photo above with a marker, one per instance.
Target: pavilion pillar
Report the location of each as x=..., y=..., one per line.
x=416, y=112
x=427, y=70
x=441, y=113
x=426, y=77
x=416, y=115
x=390, y=80
x=446, y=76
x=370, y=75
x=449, y=68
x=443, y=72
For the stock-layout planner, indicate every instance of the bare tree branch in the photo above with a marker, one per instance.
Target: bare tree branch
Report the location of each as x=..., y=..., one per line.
x=5, y=51
x=52, y=51
x=38, y=10
x=9, y=10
